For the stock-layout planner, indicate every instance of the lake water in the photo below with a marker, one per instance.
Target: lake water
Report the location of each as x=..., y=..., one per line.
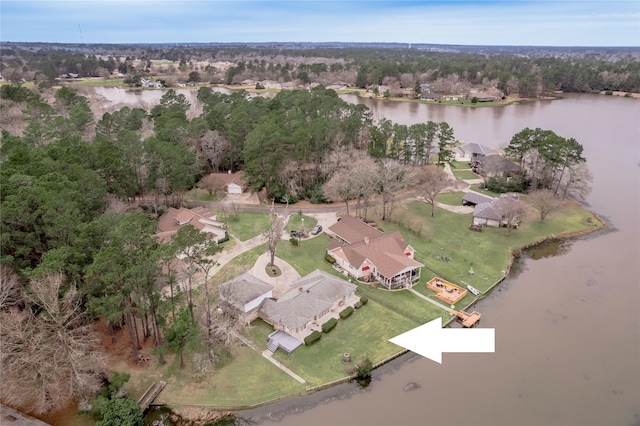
x=567, y=327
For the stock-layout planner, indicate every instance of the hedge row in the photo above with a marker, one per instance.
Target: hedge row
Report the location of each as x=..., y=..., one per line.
x=312, y=338
x=346, y=312
x=329, y=325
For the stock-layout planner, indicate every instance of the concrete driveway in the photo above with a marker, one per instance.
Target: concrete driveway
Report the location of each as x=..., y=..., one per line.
x=282, y=283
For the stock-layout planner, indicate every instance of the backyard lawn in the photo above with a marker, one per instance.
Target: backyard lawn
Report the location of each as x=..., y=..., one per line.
x=364, y=334
x=465, y=174
x=462, y=165
x=449, y=249
x=246, y=379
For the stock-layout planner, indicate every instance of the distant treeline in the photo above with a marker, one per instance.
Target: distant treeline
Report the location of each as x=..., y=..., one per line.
x=512, y=69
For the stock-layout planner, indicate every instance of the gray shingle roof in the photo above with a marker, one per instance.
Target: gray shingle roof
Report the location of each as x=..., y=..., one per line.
x=243, y=289
x=312, y=295
x=475, y=198
x=487, y=211
x=476, y=148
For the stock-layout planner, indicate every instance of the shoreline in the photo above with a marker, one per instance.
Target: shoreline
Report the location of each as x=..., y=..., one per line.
x=344, y=387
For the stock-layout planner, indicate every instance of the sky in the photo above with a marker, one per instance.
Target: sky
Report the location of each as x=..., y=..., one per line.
x=467, y=22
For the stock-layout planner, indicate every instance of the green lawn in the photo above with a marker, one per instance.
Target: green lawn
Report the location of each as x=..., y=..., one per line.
x=101, y=82
x=239, y=265
x=296, y=222
x=479, y=187
x=450, y=249
x=451, y=198
x=198, y=194
x=246, y=379
x=460, y=165
x=247, y=225
x=465, y=174
x=308, y=256
x=364, y=334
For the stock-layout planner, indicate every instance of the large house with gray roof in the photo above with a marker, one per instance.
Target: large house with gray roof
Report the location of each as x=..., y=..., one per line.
x=471, y=152
x=368, y=254
x=246, y=293
x=311, y=301
x=309, y=304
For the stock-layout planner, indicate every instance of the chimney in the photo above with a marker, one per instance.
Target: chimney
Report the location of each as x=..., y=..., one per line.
x=366, y=240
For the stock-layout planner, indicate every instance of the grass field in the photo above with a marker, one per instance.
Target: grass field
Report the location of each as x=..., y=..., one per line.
x=364, y=334
x=465, y=174
x=460, y=165
x=450, y=249
x=451, y=198
x=198, y=194
x=101, y=82
x=246, y=225
x=296, y=222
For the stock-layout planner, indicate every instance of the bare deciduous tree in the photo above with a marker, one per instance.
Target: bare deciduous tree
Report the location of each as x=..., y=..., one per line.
x=432, y=180
x=576, y=182
x=211, y=149
x=340, y=187
x=212, y=184
x=546, y=201
x=512, y=212
x=392, y=177
x=274, y=233
x=49, y=351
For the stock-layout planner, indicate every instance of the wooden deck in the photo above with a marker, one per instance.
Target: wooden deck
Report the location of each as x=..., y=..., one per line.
x=446, y=291
x=468, y=319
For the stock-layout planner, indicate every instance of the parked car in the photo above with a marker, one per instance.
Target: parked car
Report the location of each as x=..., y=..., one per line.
x=316, y=230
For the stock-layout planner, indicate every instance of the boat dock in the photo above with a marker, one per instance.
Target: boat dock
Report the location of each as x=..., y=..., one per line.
x=468, y=319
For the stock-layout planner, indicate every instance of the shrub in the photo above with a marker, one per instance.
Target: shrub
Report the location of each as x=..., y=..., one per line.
x=363, y=372
x=364, y=300
x=346, y=312
x=294, y=242
x=224, y=239
x=329, y=258
x=357, y=305
x=329, y=325
x=312, y=338
x=15, y=93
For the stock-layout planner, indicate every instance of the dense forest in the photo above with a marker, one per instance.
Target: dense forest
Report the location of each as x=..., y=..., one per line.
x=528, y=71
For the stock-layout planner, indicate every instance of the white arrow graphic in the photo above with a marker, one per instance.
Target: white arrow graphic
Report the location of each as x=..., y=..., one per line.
x=430, y=340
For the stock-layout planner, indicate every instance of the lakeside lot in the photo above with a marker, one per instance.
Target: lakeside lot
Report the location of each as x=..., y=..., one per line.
x=444, y=243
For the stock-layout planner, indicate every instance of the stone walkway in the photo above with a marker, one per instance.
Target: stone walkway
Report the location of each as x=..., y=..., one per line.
x=268, y=355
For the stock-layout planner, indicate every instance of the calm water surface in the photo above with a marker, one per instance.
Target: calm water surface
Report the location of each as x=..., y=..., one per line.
x=567, y=327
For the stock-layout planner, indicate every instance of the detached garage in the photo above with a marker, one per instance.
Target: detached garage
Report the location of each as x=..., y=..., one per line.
x=234, y=188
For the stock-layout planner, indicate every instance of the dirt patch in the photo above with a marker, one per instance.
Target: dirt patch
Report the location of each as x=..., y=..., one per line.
x=197, y=416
